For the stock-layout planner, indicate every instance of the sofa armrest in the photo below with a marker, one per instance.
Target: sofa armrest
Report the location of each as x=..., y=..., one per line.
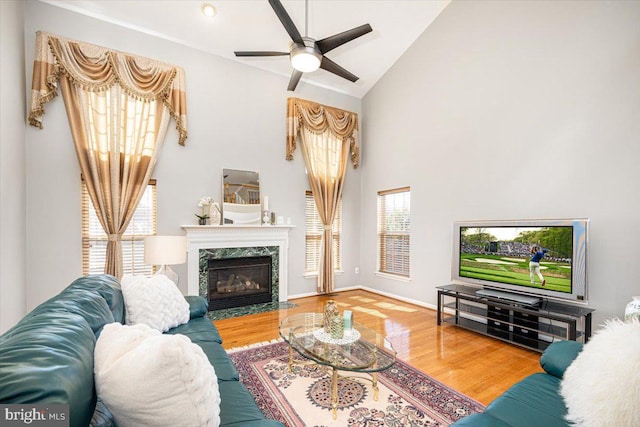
x=558, y=356
x=197, y=306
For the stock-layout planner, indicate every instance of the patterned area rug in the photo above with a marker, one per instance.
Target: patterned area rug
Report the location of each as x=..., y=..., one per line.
x=407, y=397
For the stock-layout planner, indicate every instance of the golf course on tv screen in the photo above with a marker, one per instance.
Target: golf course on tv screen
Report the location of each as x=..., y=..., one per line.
x=502, y=255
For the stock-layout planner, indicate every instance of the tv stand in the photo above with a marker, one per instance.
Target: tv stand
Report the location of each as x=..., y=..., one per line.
x=508, y=296
x=530, y=326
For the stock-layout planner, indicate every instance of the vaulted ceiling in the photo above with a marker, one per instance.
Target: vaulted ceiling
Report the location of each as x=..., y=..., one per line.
x=253, y=25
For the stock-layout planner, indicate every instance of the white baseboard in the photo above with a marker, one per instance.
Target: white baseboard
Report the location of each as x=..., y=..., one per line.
x=372, y=290
x=310, y=294
x=400, y=298
x=315, y=294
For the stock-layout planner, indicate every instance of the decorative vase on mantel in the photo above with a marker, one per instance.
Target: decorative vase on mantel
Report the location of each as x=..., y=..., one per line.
x=632, y=311
x=202, y=221
x=215, y=214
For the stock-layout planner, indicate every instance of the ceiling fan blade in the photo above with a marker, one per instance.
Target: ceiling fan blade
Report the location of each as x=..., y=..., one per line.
x=260, y=53
x=288, y=24
x=295, y=78
x=332, y=67
x=332, y=42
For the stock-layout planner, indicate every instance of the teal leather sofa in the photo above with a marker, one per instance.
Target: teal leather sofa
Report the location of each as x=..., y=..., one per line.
x=535, y=401
x=48, y=356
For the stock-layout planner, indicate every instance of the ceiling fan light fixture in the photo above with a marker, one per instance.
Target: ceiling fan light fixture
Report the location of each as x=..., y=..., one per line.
x=305, y=59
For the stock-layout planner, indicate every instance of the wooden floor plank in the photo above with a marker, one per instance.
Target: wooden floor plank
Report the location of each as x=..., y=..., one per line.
x=478, y=366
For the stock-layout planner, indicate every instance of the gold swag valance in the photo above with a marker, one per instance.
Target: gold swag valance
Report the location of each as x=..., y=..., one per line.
x=96, y=68
x=317, y=118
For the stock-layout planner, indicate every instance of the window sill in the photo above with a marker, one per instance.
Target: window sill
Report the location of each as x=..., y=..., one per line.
x=393, y=277
x=336, y=272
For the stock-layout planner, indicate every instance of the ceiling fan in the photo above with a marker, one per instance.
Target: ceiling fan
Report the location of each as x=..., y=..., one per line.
x=307, y=54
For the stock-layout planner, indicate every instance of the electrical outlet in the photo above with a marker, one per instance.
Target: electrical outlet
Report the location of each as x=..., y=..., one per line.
x=357, y=270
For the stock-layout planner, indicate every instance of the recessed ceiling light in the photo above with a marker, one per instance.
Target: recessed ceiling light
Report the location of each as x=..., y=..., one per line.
x=208, y=10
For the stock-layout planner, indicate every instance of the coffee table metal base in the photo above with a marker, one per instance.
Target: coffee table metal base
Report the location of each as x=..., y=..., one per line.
x=335, y=378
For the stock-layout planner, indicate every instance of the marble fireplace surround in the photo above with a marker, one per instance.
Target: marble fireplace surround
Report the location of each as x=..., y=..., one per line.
x=208, y=237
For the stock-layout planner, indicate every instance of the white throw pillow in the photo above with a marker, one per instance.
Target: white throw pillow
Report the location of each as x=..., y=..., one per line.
x=154, y=301
x=601, y=388
x=149, y=379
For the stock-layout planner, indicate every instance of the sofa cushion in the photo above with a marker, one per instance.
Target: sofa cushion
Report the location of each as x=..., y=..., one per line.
x=200, y=329
x=535, y=401
x=147, y=378
x=48, y=358
x=237, y=405
x=225, y=371
x=154, y=301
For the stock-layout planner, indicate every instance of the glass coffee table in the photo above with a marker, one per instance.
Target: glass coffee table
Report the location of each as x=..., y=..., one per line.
x=360, y=350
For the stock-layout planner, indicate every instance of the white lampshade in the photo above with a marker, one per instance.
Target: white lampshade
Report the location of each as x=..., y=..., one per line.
x=165, y=250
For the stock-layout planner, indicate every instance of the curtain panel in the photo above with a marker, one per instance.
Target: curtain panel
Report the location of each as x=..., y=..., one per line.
x=327, y=135
x=118, y=107
x=96, y=68
x=318, y=118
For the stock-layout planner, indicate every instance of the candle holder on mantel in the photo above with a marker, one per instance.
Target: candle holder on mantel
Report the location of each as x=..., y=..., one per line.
x=266, y=219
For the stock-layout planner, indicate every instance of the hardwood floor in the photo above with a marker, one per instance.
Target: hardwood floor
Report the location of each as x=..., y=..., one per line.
x=478, y=366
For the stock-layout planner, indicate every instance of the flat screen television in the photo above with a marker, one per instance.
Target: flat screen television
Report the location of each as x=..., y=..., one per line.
x=499, y=254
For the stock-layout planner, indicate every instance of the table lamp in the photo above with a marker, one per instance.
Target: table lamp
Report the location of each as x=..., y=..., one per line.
x=165, y=251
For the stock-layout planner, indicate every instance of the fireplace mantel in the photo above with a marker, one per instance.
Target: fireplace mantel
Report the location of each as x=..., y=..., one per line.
x=235, y=236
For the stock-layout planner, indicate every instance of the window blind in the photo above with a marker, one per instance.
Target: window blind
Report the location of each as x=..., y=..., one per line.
x=394, y=223
x=94, y=239
x=313, y=236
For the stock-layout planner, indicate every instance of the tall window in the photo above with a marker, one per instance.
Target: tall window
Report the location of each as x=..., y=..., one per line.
x=94, y=239
x=394, y=231
x=313, y=236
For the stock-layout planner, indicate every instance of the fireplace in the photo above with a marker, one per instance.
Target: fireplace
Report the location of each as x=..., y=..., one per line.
x=210, y=242
x=239, y=282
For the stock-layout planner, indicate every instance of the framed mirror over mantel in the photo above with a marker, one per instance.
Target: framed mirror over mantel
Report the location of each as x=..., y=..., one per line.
x=241, y=197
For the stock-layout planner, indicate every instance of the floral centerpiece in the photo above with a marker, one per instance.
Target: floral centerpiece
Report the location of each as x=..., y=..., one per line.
x=205, y=204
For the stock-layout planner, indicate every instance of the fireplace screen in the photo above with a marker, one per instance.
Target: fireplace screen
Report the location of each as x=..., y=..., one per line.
x=237, y=282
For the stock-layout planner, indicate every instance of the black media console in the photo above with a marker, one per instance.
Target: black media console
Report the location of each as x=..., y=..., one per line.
x=533, y=327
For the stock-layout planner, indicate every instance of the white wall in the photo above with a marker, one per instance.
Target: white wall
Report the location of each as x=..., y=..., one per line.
x=501, y=110
x=236, y=119
x=512, y=110
x=12, y=165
